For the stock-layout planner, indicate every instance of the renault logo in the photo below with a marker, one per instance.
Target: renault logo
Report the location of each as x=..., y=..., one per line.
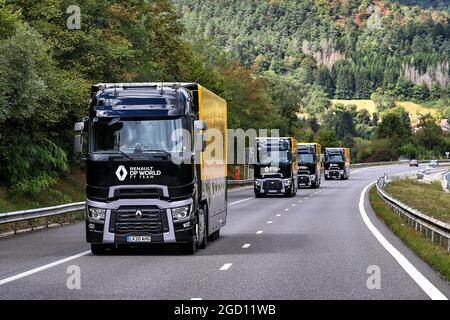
x=138, y=214
x=121, y=173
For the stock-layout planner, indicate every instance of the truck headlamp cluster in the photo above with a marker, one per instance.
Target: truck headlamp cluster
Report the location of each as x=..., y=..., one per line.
x=96, y=214
x=287, y=182
x=257, y=183
x=181, y=213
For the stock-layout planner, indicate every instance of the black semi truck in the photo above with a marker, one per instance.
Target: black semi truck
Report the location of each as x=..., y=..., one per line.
x=276, y=167
x=337, y=163
x=137, y=194
x=309, y=165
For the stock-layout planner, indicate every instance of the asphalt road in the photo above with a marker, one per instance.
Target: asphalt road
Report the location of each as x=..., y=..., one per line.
x=313, y=246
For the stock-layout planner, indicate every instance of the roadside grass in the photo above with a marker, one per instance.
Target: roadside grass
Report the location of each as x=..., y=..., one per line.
x=433, y=254
x=70, y=188
x=430, y=199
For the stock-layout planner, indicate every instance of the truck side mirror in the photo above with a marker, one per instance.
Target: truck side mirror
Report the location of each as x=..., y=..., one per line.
x=199, y=125
x=78, y=144
x=79, y=127
x=78, y=141
x=200, y=144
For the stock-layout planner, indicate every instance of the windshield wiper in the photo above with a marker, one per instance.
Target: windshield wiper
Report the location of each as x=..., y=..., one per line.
x=124, y=154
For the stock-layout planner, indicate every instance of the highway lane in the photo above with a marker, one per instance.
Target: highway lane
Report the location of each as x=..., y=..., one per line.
x=313, y=246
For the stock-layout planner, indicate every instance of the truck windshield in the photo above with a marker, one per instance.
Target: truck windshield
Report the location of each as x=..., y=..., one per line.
x=136, y=136
x=305, y=158
x=272, y=156
x=334, y=158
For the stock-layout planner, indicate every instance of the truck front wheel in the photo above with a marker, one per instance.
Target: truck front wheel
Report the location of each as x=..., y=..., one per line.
x=204, y=214
x=98, y=249
x=191, y=247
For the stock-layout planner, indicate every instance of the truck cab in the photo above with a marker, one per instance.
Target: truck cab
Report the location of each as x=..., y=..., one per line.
x=309, y=165
x=145, y=183
x=276, y=167
x=337, y=163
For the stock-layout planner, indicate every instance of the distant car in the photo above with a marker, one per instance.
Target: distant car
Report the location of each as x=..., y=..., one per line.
x=413, y=163
x=433, y=164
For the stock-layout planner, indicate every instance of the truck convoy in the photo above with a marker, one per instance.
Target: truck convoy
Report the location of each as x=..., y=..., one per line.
x=136, y=193
x=309, y=165
x=337, y=163
x=276, y=167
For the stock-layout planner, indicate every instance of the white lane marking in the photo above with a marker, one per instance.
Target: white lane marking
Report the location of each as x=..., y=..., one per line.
x=196, y=298
x=286, y=209
x=225, y=267
x=306, y=198
x=415, y=274
x=300, y=201
x=259, y=232
x=269, y=222
x=245, y=246
x=294, y=205
x=236, y=202
x=278, y=215
x=316, y=192
x=42, y=268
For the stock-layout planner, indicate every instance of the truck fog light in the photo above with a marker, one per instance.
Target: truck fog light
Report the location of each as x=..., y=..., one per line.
x=91, y=226
x=187, y=224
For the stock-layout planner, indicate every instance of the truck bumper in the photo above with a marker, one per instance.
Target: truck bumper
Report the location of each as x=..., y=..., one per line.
x=305, y=180
x=334, y=174
x=271, y=186
x=156, y=222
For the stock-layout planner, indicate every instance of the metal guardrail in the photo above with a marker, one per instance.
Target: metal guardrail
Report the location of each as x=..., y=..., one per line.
x=239, y=182
x=438, y=231
x=24, y=215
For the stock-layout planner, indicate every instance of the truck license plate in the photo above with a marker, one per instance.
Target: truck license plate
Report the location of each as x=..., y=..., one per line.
x=139, y=239
x=273, y=191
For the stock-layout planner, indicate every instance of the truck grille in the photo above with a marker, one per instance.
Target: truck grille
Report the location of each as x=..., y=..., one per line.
x=272, y=185
x=147, y=221
x=334, y=174
x=303, y=179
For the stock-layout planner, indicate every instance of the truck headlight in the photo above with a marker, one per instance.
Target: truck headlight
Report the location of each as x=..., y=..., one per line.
x=181, y=213
x=257, y=183
x=312, y=177
x=341, y=171
x=97, y=214
x=287, y=182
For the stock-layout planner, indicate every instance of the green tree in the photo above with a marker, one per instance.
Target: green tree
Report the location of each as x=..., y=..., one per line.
x=327, y=138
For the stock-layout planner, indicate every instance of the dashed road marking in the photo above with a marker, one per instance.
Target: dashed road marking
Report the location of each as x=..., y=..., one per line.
x=247, y=245
x=278, y=215
x=226, y=266
x=269, y=222
x=196, y=298
x=259, y=232
x=236, y=202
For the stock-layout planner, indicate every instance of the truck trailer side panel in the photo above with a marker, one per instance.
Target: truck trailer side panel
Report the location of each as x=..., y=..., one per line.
x=213, y=165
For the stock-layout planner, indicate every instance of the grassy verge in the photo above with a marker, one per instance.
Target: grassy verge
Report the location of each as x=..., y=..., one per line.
x=436, y=256
x=427, y=198
x=69, y=188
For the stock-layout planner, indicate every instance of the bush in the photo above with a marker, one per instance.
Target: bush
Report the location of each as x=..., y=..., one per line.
x=32, y=167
